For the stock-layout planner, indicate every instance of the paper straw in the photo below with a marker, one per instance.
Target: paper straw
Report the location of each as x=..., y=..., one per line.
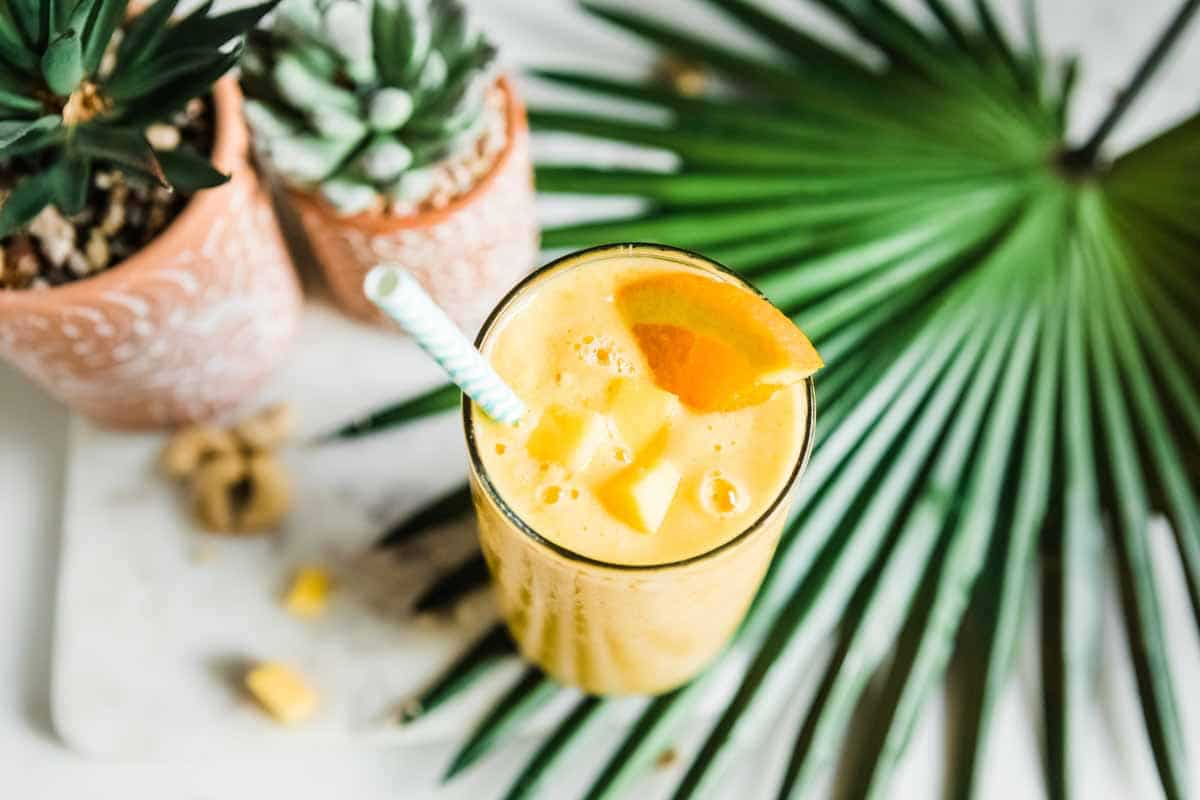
x=400, y=297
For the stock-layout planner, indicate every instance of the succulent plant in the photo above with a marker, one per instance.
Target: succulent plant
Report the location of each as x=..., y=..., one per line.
x=360, y=97
x=78, y=89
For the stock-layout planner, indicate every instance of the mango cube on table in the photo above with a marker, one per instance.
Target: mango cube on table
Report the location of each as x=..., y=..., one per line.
x=639, y=409
x=567, y=436
x=282, y=691
x=641, y=495
x=308, y=594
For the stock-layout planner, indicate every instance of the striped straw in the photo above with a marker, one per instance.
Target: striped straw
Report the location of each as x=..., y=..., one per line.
x=400, y=297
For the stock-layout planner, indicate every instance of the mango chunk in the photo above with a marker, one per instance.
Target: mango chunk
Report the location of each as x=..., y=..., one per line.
x=639, y=409
x=282, y=691
x=308, y=594
x=567, y=437
x=641, y=495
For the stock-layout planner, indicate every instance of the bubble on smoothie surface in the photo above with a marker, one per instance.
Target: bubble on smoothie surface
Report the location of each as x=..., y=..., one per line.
x=602, y=351
x=721, y=496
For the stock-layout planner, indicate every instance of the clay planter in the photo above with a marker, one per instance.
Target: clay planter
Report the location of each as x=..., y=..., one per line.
x=182, y=330
x=466, y=255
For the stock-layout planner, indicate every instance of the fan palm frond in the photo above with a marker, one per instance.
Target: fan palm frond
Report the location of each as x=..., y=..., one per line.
x=997, y=308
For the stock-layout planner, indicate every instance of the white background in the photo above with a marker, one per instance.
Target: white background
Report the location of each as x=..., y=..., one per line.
x=33, y=764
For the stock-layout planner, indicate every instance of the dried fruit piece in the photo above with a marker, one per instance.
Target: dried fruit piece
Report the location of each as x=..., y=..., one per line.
x=567, y=437
x=236, y=483
x=268, y=428
x=641, y=495
x=235, y=494
x=192, y=446
x=282, y=691
x=214, y=486
x=308, y=595
x=714, y=344
x=268, y=497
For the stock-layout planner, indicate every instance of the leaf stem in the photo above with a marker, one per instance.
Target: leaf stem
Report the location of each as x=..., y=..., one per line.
x=1086, y=155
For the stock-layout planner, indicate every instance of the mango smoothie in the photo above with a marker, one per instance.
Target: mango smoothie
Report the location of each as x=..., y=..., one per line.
x=628, y=518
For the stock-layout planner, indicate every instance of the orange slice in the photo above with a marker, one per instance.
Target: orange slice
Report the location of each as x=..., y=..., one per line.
x=714, y=344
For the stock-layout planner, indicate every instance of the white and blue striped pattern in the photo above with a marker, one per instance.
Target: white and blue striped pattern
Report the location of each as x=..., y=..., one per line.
x=400, y=297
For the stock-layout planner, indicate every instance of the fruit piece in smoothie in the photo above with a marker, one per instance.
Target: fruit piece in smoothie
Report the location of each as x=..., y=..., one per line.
x=641, y=495
x=639, y=409
x=282, y=691
x=715, y=345
x=567, y=437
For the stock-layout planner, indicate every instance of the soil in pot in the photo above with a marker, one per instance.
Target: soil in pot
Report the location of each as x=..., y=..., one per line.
x=124, y=212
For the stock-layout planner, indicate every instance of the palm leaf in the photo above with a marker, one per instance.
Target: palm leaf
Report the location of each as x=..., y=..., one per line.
x=994, y=304
x=532, y=691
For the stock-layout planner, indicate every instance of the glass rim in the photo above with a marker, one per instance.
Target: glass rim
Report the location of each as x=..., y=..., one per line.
x=479, y=470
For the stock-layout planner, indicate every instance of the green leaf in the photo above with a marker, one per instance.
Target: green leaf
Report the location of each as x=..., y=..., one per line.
x=949, y=23
x=882, y=28
x=389, y=22
x=1020, y=551
x=121, y=146
x=11, y=101
x=69, y=181
x=1072, y=619
x=151, y=74
x=13, y=48
x=839, y=562
x=201, y=31
x=1033, y=38
x=188, y=172
x=453, y=505
x=1124, y=473
x=493, y=647
x=53, y=136
x=305, y=89
x=673, y=188
x=32, y=20
x=823, y=60
x=732, y=62
x=1159, y=439
x=106, y=16
x=14, y=130
x=533, y=777
x=969, y=542
x=889, y=600
x=463, y=579
x=437, y=400
x=161, y=103
x=144, y=33
x=56, y=16
x=646, y=739
x=526, y=696
x=23, y=203
x=999, y=42
x=62, y=63
x=452, y=33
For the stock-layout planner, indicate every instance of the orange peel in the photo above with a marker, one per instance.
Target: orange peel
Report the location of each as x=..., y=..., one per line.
x=712, y=343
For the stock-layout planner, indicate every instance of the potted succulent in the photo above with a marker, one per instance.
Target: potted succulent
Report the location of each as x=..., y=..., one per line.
x=396, y=142
x=131, y=286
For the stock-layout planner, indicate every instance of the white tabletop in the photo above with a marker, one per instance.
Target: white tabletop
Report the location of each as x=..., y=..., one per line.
x=34, y=765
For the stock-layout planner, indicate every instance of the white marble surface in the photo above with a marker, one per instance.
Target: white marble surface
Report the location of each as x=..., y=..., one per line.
x=35, y=764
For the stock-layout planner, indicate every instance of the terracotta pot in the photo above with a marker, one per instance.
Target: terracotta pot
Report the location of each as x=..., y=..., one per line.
x=466, y=255
x=182, y=330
